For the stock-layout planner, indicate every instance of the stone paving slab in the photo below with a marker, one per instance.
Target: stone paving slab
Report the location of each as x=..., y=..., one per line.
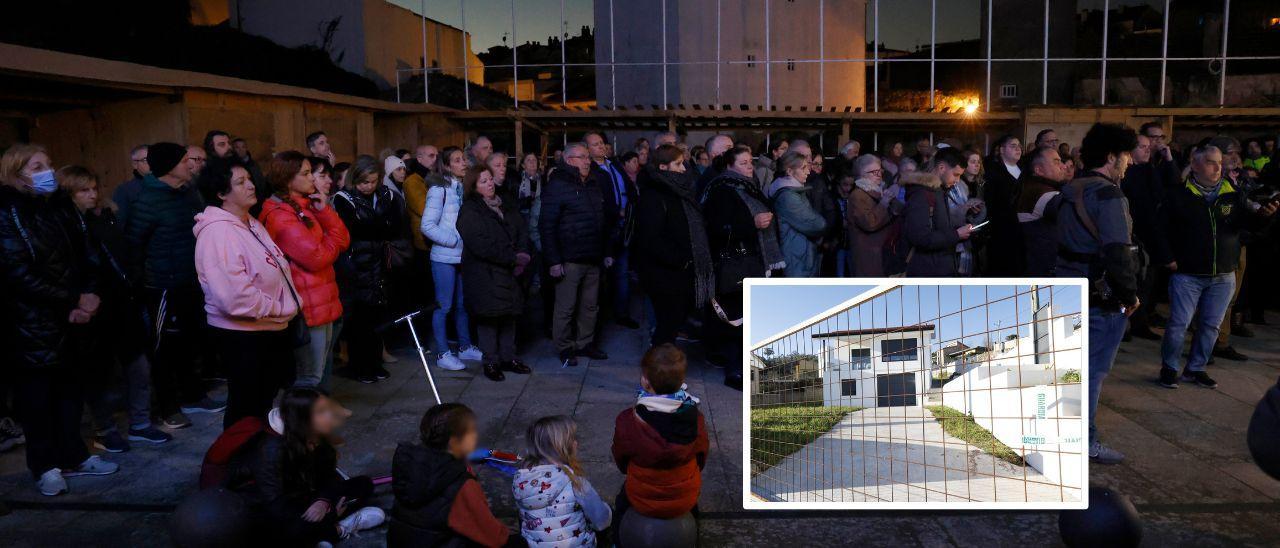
x=1188, y=468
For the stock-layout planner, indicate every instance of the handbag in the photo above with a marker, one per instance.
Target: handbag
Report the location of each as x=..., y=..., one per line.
x=733, y=266
x=299, y=333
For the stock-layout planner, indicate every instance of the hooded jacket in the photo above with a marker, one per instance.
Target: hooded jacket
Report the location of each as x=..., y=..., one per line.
x=243, y=273
x=553, y=514
x=440, y=218
x=438, y=502
x=799, y=227
x=928, y=227
x=311, y=250
x=662, y=455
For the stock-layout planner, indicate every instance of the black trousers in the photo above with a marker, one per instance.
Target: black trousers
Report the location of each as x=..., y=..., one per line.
x=259, y=364
x=364, y=344
x=497, y=338
x=178, y=329
x=49, y=405
x=672, y=303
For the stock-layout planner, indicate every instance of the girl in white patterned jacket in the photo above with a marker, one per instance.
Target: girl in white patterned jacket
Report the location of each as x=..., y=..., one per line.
x=558, y=506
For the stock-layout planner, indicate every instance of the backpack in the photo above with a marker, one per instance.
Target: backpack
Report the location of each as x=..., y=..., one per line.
x=215, y=469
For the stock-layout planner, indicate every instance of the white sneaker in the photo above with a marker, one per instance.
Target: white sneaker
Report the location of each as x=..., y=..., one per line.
x=471, y=353
x=361, y=520
x=93, y=466
x=52, y=483
x=449, y=362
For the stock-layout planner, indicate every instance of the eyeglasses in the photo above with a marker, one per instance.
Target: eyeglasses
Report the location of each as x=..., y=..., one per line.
x=135, y=160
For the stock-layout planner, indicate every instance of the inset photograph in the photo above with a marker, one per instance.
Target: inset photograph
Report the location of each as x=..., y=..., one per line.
x=915, y=394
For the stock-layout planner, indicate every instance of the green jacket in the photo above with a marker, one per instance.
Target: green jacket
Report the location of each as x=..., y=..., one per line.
x=160, y=234
x=799, y=227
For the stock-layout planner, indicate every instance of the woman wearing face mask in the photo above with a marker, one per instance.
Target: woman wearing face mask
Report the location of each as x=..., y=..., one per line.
x=495, y=255
x=299, y=219
x=49, y=286
x=249, y=296
x=118, y=333
x=439, y=224
x=362, y=269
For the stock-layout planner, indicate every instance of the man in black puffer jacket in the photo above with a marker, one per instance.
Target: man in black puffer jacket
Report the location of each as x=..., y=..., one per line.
x=160, y=235
x=577, y=239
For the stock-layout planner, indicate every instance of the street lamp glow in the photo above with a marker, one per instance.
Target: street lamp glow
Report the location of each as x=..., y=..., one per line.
x=971, y=108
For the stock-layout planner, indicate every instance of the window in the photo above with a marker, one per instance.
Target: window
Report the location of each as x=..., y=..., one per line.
x=791, y=65
x=1009, y=91
x=849, y=388
x=751, y=61
x=898, y=350
x=859, y=358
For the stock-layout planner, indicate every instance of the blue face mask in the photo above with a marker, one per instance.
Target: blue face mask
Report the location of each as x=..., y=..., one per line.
x=43, y=182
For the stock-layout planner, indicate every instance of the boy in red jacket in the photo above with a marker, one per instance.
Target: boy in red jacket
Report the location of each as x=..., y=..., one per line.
x=661, y=443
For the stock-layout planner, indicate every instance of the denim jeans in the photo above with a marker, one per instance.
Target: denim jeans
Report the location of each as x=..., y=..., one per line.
x=448, y=282
x=1106, y=327
x=315, y=360
x=1210, y=296
x=137, y=380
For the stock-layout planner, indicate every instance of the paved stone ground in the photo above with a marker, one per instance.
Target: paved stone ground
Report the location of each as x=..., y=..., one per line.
x=1188, y=468
x=900, y=454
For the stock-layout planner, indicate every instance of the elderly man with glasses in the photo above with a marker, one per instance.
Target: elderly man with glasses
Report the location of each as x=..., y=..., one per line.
x=578, y=239
x=127, y=192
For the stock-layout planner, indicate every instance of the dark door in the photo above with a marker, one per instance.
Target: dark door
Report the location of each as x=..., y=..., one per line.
x=895, y=390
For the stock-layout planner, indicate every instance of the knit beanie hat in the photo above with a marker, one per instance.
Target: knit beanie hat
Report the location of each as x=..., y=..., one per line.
x=390, y=164
x=163, y=157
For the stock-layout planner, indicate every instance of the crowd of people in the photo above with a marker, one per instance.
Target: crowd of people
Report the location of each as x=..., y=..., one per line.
x=208, y=264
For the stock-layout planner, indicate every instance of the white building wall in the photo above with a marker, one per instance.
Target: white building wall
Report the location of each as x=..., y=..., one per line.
x=834, y=363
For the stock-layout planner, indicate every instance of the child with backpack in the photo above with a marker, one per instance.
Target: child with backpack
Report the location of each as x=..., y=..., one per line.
x=439, y=502
x=661, y=442
x=558, y=506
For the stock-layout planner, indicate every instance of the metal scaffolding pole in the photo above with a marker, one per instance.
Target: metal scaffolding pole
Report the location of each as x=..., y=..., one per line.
x=1106, y=26
x=1044, y=78
x=564, y=86
x=664, y=53
x=875, y=59
x=1222, y=82
x=466, y=61
x=933, y=51
x=426, y=93
x=987, y=103
x=515, y=62
x=1164, y=51
x=768, y=65
x=718, y=103
x=613, y=69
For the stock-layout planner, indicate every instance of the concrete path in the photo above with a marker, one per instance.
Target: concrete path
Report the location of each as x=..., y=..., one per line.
x=1188, y=468
x=900, y=454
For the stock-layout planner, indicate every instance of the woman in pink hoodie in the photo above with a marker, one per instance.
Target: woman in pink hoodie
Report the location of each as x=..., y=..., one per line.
x=248, y=295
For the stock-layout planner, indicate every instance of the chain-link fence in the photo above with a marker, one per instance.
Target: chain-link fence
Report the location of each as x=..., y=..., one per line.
x=933, y=393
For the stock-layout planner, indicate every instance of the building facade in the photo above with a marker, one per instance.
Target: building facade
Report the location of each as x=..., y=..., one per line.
x=715, y=53
x=373, y=38
x=886, y=367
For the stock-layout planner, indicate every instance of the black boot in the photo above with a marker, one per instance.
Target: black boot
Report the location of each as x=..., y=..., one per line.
x=493, y=373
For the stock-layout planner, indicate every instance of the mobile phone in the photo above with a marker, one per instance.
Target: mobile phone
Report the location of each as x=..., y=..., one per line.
x=982, y=224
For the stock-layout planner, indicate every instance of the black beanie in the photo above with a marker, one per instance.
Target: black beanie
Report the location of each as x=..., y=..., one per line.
x=163, y=157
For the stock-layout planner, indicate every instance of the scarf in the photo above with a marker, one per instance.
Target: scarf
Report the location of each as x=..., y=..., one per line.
x=755, y=202
x=703, y=272
x=666, y=403
x=494, y=203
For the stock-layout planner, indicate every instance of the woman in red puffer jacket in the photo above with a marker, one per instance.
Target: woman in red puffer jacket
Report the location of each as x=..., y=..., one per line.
x=299, y=219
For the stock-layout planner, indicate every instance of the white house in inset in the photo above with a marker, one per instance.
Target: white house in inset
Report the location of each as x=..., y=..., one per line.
x=880, y=367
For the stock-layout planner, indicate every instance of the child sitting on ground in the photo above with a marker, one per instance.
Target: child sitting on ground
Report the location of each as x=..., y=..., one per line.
x=558, y=506
x=661, y=443
x=287, y=473
x=438, y=500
